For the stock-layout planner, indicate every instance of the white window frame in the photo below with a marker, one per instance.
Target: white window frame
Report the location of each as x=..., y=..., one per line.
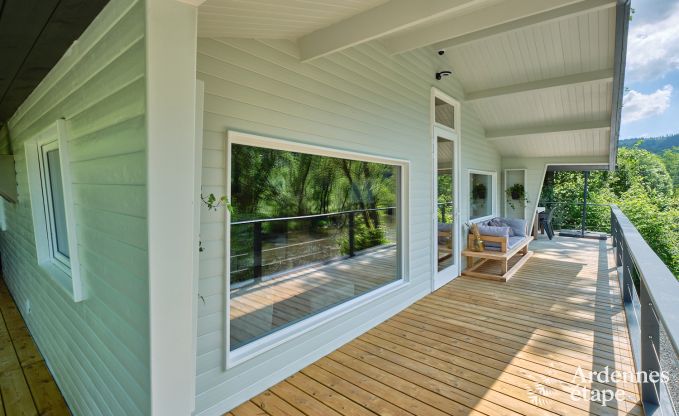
x=268, y=342
x=64, y=271
x=492, y=193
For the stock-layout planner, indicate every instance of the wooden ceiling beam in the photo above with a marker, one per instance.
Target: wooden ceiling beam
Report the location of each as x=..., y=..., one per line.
x=501, y=134
x=390, y=17
x=593, y=77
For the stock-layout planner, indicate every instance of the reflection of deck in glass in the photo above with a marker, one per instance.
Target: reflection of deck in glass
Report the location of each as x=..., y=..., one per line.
x=261, y=308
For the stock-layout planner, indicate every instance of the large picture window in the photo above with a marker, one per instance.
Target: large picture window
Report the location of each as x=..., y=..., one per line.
x=308, y=231
x=482, y=194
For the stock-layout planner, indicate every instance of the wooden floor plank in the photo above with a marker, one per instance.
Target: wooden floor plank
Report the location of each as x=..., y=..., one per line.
x=26, y=385
x=486, y=348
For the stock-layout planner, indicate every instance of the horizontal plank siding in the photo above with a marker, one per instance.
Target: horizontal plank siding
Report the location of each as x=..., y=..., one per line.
x=98, y=349
x=362, y=99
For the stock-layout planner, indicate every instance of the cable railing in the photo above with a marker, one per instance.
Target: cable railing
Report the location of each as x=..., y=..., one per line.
x=649, y=305
x=579, y=216
x=268, y=246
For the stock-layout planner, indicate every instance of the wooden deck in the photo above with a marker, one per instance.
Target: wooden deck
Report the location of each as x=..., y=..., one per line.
x=261, y=308
x=478, y=347
x=26, y=385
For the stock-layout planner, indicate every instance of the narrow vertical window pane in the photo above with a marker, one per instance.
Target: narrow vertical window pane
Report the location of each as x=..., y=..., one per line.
x=57, y=203
x=308, y=232
x=445, y=205
x=481, y=195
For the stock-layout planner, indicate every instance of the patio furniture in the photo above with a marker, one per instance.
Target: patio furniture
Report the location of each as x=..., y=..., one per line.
x=506, y=250
x=546, y=223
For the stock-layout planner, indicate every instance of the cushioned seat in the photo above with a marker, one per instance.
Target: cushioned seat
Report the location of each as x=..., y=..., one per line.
x=503, y=239
x=511, y=243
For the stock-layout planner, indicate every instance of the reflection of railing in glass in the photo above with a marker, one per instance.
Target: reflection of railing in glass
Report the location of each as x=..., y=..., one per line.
x=265, y=247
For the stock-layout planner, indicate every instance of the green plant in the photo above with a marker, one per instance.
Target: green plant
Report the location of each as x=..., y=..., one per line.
x=516, y=192
x=213, y=203
x=479, y=191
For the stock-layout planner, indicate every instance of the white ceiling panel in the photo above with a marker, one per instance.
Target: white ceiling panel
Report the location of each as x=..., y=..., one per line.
x=569, y=104
x=585, y=143
x=274, y=19
x=569, y=46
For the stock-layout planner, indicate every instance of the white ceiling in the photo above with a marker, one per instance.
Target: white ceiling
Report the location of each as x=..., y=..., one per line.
x=570, y=46
x=274, y=19
x=538, y=73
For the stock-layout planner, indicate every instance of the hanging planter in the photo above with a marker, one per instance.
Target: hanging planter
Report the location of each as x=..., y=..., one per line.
x=516, y=192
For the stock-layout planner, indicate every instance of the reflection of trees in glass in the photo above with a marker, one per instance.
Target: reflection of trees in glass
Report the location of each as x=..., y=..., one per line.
x=445, y=196
x=269, y=183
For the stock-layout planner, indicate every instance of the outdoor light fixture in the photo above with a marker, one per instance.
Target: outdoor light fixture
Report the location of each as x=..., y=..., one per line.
x=441, y=74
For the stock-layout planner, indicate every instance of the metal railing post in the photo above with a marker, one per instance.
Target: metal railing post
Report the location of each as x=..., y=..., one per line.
x=257, y=249
x=352, y=236
x=650, y=347
x=614, y=229
x=627, y=267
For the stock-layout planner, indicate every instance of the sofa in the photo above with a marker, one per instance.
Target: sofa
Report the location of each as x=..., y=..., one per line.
x=513, y=229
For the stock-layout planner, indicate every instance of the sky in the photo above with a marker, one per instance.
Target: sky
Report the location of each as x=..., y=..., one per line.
x=651, y=99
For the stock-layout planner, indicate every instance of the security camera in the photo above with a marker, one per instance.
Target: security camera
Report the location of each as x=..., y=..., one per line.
x=441, y=52
x=440, y=75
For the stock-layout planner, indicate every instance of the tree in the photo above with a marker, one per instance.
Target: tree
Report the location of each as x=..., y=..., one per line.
x=636, y=165
x=671, y=159
x=642, y=186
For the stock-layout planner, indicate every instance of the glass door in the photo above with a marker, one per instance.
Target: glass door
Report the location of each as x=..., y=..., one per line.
x=446, y=208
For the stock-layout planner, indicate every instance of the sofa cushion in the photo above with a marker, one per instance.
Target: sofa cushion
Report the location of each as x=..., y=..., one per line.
x=500, y=222
x=518, y=226
x=494, y=231
x=513, y=241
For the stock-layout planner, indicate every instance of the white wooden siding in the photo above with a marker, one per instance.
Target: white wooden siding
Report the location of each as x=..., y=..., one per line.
x=98, y=349
x=361, y=99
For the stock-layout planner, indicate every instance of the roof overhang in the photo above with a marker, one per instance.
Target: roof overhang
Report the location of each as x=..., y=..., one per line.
x=34, y=35
x=623, y=11
x=545, y=77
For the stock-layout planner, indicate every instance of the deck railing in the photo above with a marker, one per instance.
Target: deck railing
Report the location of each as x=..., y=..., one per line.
x=656, y=303
x=580, y=216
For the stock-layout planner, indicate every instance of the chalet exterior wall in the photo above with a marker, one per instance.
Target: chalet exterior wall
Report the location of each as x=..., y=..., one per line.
x=97, y=349
x=362, y=100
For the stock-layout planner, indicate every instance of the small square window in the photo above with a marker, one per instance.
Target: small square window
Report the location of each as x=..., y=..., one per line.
x=482, y=204
x=52, y=206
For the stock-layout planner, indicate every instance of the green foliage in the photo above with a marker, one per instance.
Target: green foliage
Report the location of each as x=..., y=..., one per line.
x=636, y=165
x=654, y=145
x=671, y=159
x=516, y=192
x=643, y=186
x=657, y=221
x=213, y=203
x=364, y=238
